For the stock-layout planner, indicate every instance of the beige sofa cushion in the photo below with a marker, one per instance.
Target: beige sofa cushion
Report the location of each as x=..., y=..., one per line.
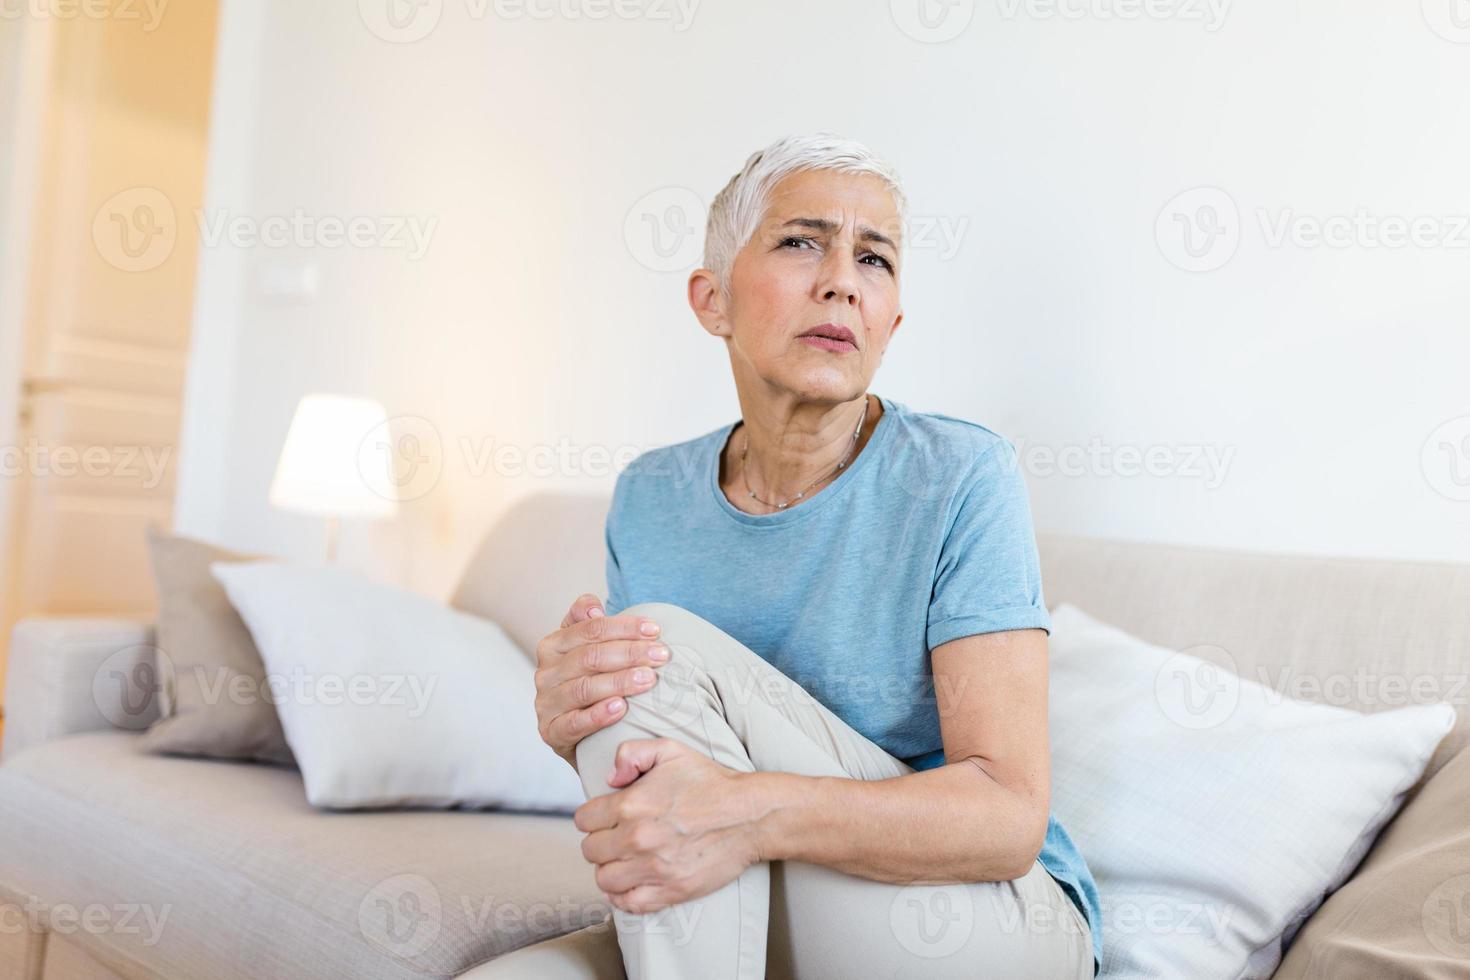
x=215, y=694
x=1404, y=913
x=245, y=878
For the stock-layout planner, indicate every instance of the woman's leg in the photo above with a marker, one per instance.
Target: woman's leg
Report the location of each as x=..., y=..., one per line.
x=825, y=924
x=797, y=919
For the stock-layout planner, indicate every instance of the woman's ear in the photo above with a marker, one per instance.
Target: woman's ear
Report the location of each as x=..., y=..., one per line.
x=707, y=303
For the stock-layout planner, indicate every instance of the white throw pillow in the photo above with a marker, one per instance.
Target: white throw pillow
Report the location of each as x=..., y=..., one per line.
x=388, y=698
x=1215, y=813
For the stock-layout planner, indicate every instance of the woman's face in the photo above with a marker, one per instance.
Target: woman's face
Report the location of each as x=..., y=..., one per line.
x=826, y=252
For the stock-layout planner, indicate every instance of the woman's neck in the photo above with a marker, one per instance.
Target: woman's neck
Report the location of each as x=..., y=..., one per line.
x=784, y=455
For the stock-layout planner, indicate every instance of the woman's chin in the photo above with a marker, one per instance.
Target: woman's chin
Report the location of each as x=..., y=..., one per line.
x=828, y=389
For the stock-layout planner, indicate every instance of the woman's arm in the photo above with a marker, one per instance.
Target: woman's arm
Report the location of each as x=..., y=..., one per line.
x=981, y=817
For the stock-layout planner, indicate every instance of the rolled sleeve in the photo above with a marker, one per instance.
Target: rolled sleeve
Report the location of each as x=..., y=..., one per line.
x=988, y=578
x=1013, y=618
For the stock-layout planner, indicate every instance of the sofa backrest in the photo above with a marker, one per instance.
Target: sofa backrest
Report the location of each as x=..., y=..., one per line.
x=1367, y=634
x=543, y=553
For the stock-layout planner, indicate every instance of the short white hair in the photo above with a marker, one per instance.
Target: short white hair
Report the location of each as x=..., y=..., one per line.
x=737, y=210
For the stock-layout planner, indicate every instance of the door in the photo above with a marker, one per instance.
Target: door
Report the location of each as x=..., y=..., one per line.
x=105, y=127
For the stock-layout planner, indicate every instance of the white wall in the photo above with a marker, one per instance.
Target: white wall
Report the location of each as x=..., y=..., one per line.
x=1316, y=374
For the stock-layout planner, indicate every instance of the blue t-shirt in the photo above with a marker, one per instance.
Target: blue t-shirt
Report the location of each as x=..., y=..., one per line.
x=924, y=538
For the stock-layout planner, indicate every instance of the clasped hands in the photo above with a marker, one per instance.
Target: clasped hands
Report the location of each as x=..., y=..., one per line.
x=674, y=829
x=678, y=825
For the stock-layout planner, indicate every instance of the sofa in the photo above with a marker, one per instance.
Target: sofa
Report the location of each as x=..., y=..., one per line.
x=115, y=863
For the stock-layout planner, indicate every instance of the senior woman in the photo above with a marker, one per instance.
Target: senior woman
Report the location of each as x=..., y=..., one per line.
x=811, y=719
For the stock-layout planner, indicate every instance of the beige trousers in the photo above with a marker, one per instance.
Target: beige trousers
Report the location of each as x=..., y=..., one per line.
x=786, y=918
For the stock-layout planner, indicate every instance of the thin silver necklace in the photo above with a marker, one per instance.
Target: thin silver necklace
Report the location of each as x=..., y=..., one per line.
x=782, y=506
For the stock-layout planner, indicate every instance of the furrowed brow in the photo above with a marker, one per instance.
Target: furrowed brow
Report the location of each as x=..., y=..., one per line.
x=828, y=227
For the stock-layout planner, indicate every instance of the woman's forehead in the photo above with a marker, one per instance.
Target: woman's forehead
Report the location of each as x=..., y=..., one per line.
x=828, y=200
x=833, y=190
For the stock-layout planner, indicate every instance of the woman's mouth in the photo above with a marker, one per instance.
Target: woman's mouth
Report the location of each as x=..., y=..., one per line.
x=827, y=343
x=835, y=337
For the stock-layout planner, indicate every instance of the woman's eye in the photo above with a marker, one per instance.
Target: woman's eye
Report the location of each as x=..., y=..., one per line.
x=792, y=240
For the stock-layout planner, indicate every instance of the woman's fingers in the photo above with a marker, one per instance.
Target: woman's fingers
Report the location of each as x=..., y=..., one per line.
x=570, y=727
x=595, y=629
x=586, y=668
x=611, y=656
x=586, y=690
x=596, y=659
x=585, y=606
x=636, y=756
x=617, y=877
x=588, y=702
x=602, y=846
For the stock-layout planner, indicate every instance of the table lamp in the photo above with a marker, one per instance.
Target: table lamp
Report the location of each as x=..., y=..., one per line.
x=319, y=471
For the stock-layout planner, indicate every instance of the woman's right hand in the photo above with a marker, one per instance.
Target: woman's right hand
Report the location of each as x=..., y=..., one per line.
x=585, y=670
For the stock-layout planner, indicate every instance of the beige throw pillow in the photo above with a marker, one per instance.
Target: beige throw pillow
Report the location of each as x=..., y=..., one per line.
x=215, y=702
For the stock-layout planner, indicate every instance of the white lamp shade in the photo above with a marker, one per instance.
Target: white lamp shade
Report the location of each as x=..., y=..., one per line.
x=321, y=466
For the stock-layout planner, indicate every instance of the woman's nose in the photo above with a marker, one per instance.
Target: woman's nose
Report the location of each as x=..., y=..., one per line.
x=839, y=276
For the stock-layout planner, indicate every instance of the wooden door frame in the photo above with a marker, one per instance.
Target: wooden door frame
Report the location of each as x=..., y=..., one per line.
x=30, y=42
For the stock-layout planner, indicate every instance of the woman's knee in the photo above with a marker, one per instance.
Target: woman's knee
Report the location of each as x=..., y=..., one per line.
x=668, y=615
x=709, y=668
x=708, y=673
x=694, y=642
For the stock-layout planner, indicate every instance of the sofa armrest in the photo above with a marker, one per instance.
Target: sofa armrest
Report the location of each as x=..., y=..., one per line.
x=68, y=675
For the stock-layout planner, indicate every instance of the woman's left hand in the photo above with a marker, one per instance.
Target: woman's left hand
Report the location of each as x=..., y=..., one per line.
x=675, y=830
